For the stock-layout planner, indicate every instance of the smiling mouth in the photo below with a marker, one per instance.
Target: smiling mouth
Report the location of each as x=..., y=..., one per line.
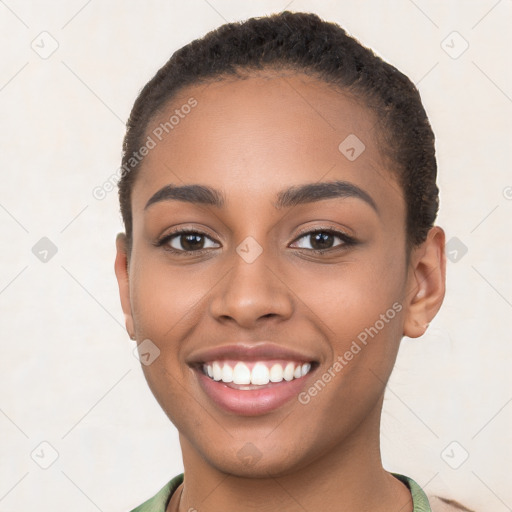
x=245, y=375
x=252, y=379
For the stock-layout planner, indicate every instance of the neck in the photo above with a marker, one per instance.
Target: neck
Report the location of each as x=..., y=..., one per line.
x=349, y=476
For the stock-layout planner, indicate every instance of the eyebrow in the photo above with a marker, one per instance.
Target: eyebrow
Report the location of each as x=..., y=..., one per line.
x=292, y=196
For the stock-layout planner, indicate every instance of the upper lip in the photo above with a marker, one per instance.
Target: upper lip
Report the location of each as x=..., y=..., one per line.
x=259, y=351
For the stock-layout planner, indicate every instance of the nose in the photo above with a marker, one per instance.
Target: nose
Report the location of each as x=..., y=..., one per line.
x=252, y=293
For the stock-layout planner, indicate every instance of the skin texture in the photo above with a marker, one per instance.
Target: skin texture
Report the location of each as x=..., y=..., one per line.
x=252, y=138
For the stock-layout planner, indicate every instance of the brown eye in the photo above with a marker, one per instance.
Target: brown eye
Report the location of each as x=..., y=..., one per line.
x=186, y=242
x=323, y=240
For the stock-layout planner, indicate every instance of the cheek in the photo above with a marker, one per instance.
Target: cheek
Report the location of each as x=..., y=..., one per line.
x=165, y=303
x=358, y=307
x=165, y=300
x=360, y=313
x=164, y=306
x=351, y=298
x=168, y=305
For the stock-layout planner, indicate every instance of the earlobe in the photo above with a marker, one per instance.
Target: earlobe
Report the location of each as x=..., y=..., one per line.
x=122, y=275
x=426, y=283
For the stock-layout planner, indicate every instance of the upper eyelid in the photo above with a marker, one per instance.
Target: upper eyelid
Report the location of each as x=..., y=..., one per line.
x=186, y=231
x=329, y=229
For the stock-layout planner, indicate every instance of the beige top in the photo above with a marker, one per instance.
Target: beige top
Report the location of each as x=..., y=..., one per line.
x=438, y=504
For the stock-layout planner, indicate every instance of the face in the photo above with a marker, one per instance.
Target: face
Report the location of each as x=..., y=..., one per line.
x=288, y=284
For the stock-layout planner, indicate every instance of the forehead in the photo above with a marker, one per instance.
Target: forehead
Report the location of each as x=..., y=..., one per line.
x=255, y=136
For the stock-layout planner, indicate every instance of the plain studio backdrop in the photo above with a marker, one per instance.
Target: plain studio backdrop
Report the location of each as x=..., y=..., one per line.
x=79, y=426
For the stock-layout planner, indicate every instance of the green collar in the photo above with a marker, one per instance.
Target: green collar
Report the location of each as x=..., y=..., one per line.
x=419, y=498
x=158, y=503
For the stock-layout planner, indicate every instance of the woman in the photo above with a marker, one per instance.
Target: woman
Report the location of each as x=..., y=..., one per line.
x=279, y=197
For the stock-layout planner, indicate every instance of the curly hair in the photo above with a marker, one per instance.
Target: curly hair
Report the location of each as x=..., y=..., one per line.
x=304, y=43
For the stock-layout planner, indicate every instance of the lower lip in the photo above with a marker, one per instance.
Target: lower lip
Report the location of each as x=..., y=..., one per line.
x=251, y=402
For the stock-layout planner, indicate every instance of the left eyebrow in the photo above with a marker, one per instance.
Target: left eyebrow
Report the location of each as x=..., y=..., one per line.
x=311, y=192
x=292, y=196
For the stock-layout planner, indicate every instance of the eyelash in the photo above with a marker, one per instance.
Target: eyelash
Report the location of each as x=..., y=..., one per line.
x=347, y=240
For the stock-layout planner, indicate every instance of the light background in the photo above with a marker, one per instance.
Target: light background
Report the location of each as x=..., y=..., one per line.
x=68, y=376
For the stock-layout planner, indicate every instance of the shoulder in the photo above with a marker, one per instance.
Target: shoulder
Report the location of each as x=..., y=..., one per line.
x=440, y=504
x=431, y=502
x=159, y=502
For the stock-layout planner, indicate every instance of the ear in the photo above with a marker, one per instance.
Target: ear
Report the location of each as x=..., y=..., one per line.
x=121, y=269
x=426, y=283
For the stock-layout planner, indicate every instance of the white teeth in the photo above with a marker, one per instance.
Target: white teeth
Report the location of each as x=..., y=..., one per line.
x=261, y=374
x=276, y=373
x=217, y=371
x=288, y=371
x=241, y=374
x=227, y=373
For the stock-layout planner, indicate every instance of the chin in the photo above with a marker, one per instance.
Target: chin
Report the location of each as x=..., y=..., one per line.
x=250, y=462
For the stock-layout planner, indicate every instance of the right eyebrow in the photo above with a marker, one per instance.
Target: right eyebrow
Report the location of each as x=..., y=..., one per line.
x=189, y=193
